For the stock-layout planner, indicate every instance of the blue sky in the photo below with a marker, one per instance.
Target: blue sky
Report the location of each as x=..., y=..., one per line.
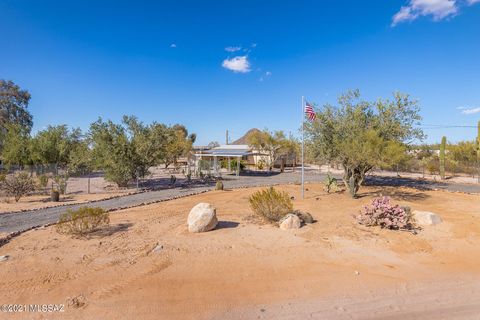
x=217, y=65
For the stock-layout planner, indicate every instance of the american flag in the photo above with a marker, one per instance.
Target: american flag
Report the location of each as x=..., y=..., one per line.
x=309, y=112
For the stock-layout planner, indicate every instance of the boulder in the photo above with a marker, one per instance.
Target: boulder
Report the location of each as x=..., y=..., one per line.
x=202, y=218
x=305, y=217
x=290, y=221
x=425, y=218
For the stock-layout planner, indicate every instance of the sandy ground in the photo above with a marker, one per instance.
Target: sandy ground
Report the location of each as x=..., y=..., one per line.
x=8, y=204
x=332, y=269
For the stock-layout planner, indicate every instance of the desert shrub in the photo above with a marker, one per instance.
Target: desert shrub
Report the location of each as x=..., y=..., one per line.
x=82, y=221
x=233, y=164
x=18, y=185
x=261, y=164
x=219, y=185
x=330, y=184
x=382, y=213
x=271, y=204
x=204, y=165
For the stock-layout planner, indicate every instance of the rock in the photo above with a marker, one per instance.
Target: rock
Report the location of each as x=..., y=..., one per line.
x=157, y=248
x=305, y=217
x=426, y=218
x=290, y=221
x=4, y=258
x=202, y=218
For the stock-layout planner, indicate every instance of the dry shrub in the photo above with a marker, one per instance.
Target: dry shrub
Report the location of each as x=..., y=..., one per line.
x=18, y=185
x=382, y=213
x=82, y=221
x=270, y=204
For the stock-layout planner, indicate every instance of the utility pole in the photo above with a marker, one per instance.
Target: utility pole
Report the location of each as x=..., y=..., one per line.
x=226, y=137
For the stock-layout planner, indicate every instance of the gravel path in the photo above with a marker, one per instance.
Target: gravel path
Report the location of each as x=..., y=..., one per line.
x=14, y=222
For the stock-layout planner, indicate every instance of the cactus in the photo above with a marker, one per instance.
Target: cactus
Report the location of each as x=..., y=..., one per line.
x=219, y=185
x=442, y=157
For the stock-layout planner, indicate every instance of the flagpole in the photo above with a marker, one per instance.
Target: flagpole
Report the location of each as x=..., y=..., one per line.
x=303, y=147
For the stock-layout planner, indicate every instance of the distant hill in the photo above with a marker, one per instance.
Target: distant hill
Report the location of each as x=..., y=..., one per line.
x=243, y=140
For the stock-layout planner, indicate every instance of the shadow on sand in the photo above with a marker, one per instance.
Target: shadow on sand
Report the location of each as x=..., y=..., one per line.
x=110, y=230
x=226, y=225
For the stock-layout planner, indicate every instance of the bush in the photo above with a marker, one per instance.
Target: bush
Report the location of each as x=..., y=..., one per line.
x=233, y=164
x=271, y=204
x=382, y=213
x=219, y=185
x=261, y=164
x=82, y=221
x=18, y=185
x=330, y=184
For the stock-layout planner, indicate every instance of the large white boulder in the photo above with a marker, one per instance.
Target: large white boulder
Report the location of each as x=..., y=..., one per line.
x=290, y=221
x=202, y=218
x=426, y=218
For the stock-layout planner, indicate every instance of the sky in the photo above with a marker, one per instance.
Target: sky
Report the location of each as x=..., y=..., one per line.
x=236, y=65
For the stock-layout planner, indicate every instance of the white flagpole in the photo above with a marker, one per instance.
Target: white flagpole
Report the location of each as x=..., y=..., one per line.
x=303, y=147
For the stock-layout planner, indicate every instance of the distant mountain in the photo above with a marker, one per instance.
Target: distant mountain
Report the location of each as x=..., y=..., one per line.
x=243, y=140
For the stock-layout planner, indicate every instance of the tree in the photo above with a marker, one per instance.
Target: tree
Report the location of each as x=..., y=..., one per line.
x=16, y=149
x=291, y=150
x=80, y=159
x=54, y=145
x=271, y=143
x=179, y=143
x=13, y=108
x=213, y=144
x=127, y=150
x=395, y=155
x=357, y=134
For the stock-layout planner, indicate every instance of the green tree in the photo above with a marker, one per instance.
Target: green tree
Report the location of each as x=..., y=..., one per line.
x=16, y=149
x=54, y=145
x=127, y=150
x=13, y=108
x=395, y=156
x=178, y=144
x=80, y=159
x=357, y=133
x=271, y=143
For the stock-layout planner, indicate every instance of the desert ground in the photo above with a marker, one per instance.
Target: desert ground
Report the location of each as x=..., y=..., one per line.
x=32, y=202
x=147, y=265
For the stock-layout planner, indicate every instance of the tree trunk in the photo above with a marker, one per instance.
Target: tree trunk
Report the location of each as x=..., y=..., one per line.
x=353, y=178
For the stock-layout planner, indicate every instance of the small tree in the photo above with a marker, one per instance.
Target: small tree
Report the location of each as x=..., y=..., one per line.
x=13, y=108
x=16, y=146
x=18, y=185
x=358, y=133
x=271, y=143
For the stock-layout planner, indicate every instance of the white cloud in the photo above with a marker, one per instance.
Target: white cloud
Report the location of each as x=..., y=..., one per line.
x=265, y=76
x=173, y=45
x=238, y=64
x=469, y=110
x=405, y=14
x=472, y=2
x=437, y=9
x=233, y=49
